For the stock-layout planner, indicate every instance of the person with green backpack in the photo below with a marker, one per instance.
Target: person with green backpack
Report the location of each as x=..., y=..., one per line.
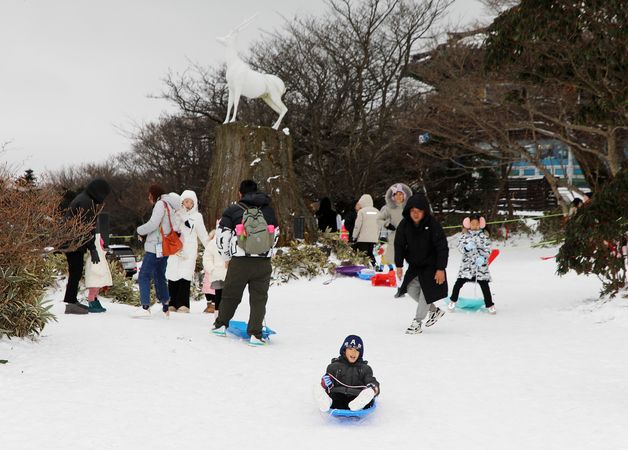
x=246, y=236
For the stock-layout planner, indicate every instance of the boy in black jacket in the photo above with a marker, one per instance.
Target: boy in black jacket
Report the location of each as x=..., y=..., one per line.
x=348, y=382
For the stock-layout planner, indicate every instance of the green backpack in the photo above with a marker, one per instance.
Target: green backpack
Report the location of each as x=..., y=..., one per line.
x=255, y=238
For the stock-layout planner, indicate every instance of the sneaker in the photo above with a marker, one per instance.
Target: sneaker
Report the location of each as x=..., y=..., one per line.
x=141, y=313
x=257, y=342
x=183, y=309
x=434, y=316
x=75, y=308
x=414, y=328
x=219, y=331
x=95, y=307
x=492, y=310
x=209, y=309
x=399, y=293
x=451, y=306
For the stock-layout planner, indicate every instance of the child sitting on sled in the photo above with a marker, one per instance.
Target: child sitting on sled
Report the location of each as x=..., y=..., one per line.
x=348, y=382
x=475, y=247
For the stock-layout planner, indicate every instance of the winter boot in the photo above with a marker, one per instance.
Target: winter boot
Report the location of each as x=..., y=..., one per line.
x=363, y=399
x=75, y=308
x=183, y=309
x=172, y=309
x=414, y=328
x=323, y=400
x=210, y=308
x=95, y=307
x=434, y=316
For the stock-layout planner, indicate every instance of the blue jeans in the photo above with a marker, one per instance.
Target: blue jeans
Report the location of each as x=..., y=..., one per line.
x=153, y=267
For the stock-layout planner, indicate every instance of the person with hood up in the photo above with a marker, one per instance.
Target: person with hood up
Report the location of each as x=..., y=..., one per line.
x=248, y=224
x=348, y=382
x=421, y=241
x=366, y=230
x=84, y=205
x=390, y=215
x=154, y=262
x=181, y=266
x=326, y=217
x=214, y=277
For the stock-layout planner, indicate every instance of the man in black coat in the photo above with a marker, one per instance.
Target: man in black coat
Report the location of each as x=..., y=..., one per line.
x=421, y=241
x=85, y=206
x=252, y=270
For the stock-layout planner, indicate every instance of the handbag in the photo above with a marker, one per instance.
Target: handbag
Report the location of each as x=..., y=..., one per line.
x=171, y=243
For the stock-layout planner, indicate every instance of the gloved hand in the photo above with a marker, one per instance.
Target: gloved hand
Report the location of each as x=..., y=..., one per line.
x=480, y=260
x=362, y=399
x=470, y=246
x=187, y=224
x=391, y=227
x=326, y=382
x=94, y=255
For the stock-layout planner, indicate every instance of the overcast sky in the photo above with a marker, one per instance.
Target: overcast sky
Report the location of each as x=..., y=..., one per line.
x=73, y=73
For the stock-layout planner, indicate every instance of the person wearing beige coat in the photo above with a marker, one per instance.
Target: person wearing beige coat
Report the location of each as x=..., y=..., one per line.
x=366, y=231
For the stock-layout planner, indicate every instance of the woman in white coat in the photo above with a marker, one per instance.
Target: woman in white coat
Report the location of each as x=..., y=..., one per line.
x=181, y=267
x=97, y=276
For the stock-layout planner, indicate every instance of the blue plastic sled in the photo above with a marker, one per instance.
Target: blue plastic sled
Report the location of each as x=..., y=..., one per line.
x=238, y=328
x=469, y=304
x=348, y=413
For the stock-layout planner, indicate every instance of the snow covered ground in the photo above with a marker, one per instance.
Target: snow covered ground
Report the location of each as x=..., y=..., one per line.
x=549, y=371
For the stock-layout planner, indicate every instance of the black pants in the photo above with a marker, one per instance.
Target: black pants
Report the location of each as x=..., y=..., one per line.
x=243, y=271
x=179, y=293
x=366, y=247
x=215, y=298
x=75, y=272
x=486, y=290
x=341, y=401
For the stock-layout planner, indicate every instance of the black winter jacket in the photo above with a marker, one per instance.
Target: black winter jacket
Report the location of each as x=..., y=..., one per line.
x=355, y=376
x=85, y=204
x=424, y=246
x=226, y=239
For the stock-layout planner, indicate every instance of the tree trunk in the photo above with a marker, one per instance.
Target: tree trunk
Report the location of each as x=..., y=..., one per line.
x=261, y=154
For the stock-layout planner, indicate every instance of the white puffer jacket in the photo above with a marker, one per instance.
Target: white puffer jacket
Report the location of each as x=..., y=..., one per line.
x=97, y=275
x=190, y=224
x=213, y=264
x=391, y=214
x=366, y=226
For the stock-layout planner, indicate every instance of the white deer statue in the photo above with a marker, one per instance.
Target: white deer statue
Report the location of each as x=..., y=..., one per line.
x=242, y=80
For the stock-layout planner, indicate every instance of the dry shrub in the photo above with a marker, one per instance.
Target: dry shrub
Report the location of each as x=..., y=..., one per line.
x=123, y=289
x=30, y=222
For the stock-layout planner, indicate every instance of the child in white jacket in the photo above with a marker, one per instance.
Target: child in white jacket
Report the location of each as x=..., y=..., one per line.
x=97, y=276
x=215, y=272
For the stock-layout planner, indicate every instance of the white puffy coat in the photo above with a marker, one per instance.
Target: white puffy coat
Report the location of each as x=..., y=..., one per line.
x=391, y=214
x=366, y=226
x=214, y=264
x=97, y=275
x=182, y=265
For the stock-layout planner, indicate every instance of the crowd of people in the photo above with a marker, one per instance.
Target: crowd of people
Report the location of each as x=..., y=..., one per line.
x=237, y=254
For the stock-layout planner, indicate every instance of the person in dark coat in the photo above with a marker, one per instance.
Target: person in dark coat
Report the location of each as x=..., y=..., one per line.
x=252, y=270
x=85, y=206
x=326, y=216
x=421, y=241
x=348, y=382
x=350, y=216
